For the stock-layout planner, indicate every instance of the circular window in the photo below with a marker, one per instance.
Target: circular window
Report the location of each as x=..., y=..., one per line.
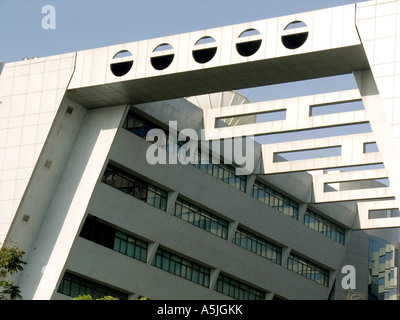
x=162, y=56
x=295, y=35
x=124, y=64
x=249, y=42
x=204, y=49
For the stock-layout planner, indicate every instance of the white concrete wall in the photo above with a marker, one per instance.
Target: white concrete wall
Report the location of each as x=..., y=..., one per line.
x=332, y=47
x=30, y=95
x=61, y=220
x=378, y=24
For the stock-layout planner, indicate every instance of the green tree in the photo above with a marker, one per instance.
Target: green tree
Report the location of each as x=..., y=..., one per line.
x=11, y=262
x=83, y=297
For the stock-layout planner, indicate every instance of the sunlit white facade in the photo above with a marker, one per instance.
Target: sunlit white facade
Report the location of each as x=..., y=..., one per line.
x=95, y=216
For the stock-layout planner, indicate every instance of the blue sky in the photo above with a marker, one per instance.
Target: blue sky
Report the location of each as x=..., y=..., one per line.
x=86, y=24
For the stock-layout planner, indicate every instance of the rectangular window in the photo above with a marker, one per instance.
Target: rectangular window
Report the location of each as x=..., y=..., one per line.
x=182, y=267
x=130, y=246
x=237, y=290
x=356, y=185
x=201, y=218
x=104, y=235
x=135, y=187
x=383, y=213
x=275, y=199
x=324, y=226
x=257, y=245
x=137, y=125
x=308, y=269
x=223, y=172
x=74, y=286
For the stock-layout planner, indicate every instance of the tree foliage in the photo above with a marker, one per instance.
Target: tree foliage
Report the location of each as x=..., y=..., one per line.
x=11, y=262
x=83, y=297
x=89, y=297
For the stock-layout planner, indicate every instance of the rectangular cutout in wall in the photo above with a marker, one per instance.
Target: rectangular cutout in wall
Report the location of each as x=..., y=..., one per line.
x=370, y=147
x=271, y=116
x=356, y=185
x=308, y=154
x=300, y=88
x=268, y=116
x=326, y=132
x=364, y=167
x=336, y=107
x=383, y=213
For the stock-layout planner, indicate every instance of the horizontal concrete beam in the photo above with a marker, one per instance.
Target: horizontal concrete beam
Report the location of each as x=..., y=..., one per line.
x=297, y=115
x=365, y=222
x=351, y=154
x=361, y=186
x=328, y=45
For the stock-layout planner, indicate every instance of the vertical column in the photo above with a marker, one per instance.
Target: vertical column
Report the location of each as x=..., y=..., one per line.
x=172, y=196
x=151, y=252
x=302, y=210
x=383, y=131
x=232, y=228
x=213, y=278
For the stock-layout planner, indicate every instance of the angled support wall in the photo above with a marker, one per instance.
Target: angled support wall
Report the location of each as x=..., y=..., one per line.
x=70, y=198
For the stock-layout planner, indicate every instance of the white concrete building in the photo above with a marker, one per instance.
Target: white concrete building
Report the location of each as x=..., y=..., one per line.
x=80, y=194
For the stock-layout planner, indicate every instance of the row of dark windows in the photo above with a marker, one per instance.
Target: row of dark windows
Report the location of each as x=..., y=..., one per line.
x=262, y=192
x=290, y=207
x=308, y=269
x=100, y=233
x=237, y=290
x=275, y=199
x=182, y=267
x=226, y=173
x=73, y=286
x=111, y=238
x=201, y=218
x=191, y=213
x=223, y=172
x=324, y=226
x=258, y=245
x=140, y=126
x=196, y=273
x=135, y=187
x=219, y=226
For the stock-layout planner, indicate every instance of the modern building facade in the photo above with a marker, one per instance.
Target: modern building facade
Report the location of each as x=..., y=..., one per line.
x=139, y=169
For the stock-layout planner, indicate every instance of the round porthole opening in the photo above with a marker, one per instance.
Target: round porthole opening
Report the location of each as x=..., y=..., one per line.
x=204, y=50
x=249, y=42
x=162, y=56
x=295, y=35
x=123, y=63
